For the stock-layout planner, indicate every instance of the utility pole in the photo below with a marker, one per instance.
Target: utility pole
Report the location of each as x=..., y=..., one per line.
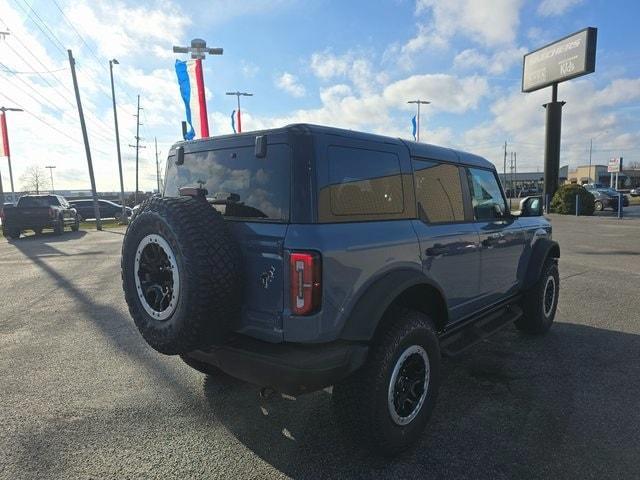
x=515, y=168
x=94, y=193
x=157, y=164
x=137, y=146
x=590, y=151
x=4, y=146
x=51, y=167
x=115, y=120
x=504, y=166
x=419, y=102
x=239, y=94
x=198, y=51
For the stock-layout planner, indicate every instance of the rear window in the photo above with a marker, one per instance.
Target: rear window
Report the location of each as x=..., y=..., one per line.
x=239, y=184
x=37, y=201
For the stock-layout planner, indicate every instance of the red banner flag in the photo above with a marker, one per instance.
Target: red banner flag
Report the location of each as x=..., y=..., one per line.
x=4, y=144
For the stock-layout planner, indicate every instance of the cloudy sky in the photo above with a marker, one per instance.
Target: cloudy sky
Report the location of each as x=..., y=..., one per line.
x=350, y=64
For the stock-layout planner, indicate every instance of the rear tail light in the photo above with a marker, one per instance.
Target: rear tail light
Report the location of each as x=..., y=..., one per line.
x=306, y=286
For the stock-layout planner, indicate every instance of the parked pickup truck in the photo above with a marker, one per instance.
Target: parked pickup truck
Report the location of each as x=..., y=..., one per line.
x=35, y=212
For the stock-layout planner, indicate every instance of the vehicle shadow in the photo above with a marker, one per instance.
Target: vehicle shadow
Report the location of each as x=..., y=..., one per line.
x=560, y=406
x=48, y=236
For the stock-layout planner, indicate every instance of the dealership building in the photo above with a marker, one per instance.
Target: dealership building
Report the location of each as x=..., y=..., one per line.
x=627, y=179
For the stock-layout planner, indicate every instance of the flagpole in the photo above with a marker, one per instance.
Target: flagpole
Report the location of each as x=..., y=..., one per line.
x=419, y=102
x=239, y=94
x=5, y=140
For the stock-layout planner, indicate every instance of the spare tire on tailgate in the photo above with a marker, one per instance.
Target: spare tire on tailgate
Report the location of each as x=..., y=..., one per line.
x=181, y=274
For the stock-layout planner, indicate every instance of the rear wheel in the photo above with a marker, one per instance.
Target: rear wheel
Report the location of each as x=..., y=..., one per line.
x=386, y=404
x=540, y=302
x=12, y=233
x=58, y=228
x=598, y=206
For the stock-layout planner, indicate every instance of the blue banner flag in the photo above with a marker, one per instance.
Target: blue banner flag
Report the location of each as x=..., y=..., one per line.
x=415, y=129
x=185, y=91
x=233, y=121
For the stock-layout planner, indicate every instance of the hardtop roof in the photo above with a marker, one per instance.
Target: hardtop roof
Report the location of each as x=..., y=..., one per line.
x=416, y=149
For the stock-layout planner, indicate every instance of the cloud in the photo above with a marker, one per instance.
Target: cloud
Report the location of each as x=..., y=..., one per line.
x=590, y=112
x=289, y=83
x=496, y=64
x=550, y=8
x=352, y=66
x=490, y=22
x=249, y=69
x=447, y=92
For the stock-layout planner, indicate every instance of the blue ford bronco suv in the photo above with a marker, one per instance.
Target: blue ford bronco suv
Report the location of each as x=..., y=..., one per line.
x=307, y=256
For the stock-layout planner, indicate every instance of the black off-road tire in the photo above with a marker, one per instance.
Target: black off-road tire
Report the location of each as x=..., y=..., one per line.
x=538, y=309
x=209, y=267
x=58, y=228
x=11, y=233
x=361, y=402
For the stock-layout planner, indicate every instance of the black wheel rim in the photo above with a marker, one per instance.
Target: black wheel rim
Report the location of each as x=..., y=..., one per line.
x=549, y=295
x=156, y=276
x=408, y=385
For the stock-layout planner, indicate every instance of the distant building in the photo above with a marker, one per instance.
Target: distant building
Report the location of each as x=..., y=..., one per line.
x=628, y=178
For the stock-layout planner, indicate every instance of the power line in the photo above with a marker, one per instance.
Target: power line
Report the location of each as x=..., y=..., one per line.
x=15, y=72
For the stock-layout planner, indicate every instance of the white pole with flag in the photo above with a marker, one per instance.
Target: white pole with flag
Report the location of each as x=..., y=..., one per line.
x=4, y=144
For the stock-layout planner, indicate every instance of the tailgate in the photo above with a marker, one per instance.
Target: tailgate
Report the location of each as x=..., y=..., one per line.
x=262, y=249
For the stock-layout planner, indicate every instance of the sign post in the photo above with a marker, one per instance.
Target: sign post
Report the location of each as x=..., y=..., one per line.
x=615, y=166
x=567, y=58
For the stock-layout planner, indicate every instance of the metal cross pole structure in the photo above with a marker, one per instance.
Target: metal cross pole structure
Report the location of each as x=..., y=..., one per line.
x=51, y=167
x=157, y=164
x=240, y=94
x=4, y=145
x=198, y=51
x=419, y=102
x=115, y=120
x=137, y=146
x=85, y=137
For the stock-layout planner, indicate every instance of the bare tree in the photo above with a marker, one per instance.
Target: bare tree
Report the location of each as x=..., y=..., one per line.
x=34, y=178
x=635, y=165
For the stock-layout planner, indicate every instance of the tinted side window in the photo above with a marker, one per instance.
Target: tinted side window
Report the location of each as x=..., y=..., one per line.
x=486, y=196
x=363, y=182
x=438, y=191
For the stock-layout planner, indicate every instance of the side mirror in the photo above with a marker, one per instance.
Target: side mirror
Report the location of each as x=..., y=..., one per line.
x=179, y=155
x=531, y=207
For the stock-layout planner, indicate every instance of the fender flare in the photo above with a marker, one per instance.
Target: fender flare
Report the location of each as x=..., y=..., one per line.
x=543, y=249
x=367, y=311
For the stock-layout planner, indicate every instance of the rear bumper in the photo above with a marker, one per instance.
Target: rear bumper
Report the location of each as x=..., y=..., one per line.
x=288, y=368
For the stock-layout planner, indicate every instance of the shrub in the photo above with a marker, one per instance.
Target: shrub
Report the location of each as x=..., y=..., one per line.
x=564, y=200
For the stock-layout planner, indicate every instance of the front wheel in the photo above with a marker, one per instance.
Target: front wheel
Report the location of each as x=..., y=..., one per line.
x=386, y=404
x=541, y=301
x=598, y=206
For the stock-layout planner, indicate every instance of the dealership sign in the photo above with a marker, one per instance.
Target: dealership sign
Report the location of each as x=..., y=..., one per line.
x=562, y=60
x=615, y=165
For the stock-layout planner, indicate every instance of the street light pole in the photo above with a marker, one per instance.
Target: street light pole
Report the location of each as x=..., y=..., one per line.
x=419, y=102
x=198, y=51
x=51, y=167
x=5, y=144
x=115, y=120
x=240, y=94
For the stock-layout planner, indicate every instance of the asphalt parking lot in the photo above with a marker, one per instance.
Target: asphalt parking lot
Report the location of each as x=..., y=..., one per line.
x=82, y=395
